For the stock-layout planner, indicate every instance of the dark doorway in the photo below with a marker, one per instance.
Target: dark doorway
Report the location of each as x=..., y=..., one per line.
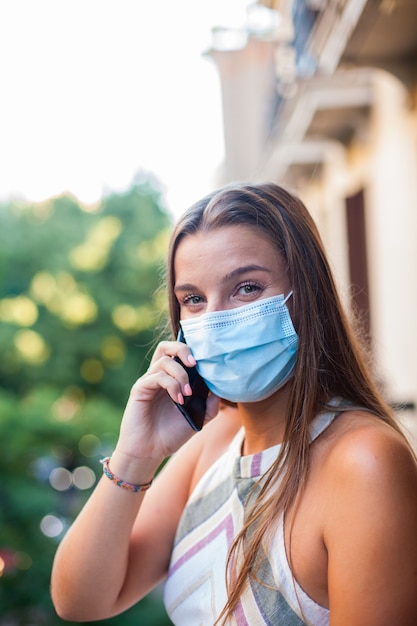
x=358, y=262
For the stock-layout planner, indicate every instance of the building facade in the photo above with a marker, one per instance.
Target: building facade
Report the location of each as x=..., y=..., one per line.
x=320, y=96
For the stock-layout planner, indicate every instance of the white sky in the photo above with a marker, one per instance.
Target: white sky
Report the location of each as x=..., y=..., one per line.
x=93, y=91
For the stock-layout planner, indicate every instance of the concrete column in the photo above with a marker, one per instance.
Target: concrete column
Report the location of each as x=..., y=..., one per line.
x=392, y=233
x=248, y=81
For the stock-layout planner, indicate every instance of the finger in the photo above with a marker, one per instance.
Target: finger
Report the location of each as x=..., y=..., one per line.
x=174, y=349
x=174, y=369
x=146, y=387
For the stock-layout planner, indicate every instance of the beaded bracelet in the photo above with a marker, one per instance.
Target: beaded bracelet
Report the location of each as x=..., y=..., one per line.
x=119, y=482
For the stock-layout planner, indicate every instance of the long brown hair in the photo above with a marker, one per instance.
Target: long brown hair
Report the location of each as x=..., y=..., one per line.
x=329, y=363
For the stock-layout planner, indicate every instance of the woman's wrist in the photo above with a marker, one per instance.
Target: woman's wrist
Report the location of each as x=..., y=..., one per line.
x=120, y=482
x=131, y=469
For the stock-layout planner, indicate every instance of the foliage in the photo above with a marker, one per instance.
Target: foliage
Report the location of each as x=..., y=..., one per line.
x=80, y=290
x=80, y=300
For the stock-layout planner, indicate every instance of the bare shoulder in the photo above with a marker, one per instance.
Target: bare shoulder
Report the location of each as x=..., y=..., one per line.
x=369, y=522
x=369, y=463
x=363, y=447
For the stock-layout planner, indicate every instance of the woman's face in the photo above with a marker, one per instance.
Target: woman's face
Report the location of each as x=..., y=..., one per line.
x=226, y=268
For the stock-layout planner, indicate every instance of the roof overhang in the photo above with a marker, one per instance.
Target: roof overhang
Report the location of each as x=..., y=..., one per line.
x=325, y=111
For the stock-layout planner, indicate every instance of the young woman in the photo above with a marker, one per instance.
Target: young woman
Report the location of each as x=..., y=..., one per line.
x=297, y=501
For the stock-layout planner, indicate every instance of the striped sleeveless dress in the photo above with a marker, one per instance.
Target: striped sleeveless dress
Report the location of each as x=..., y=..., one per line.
x=195, y=590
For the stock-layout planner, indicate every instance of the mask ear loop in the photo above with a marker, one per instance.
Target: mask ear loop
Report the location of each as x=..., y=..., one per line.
x=288, y=296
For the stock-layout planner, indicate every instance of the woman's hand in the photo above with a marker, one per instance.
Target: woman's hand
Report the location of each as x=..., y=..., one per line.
x=152, y=426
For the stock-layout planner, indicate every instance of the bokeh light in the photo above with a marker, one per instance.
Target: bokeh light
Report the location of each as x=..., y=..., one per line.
x=83, y=477
x=92, y=255
x=131, y=320
x=65, y=408
x=52, y=526
x=89, y=445
x=92, y=370
x=20, y=310
x=31, y=347
x=113, y=350
x=60, y=479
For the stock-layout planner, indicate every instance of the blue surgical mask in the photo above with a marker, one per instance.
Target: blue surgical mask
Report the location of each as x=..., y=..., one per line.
x=244, y=354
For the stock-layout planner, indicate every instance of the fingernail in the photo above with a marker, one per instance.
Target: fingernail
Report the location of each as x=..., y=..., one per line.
x=191, y=360
x=180, y=398
x=187, y=390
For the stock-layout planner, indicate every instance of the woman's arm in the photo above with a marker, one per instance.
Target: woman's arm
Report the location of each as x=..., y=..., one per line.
x=119, y=546
x=371, y=530
x=107, y=562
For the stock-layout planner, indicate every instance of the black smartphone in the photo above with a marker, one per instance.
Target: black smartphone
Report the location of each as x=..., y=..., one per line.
x=194, y=407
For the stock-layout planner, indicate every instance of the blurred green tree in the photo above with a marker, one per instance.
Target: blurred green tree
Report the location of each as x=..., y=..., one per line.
x=80, y=304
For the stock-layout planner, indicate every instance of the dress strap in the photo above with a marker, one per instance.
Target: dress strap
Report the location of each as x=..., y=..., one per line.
x=325, y=418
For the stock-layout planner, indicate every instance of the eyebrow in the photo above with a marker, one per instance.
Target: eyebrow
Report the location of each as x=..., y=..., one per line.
x=244, y=270
x=239, y=271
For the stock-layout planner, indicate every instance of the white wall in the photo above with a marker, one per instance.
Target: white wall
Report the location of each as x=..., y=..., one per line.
x=392, y=237
x=383, y=162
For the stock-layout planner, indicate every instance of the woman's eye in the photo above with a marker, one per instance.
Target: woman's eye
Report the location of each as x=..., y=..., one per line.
x=192, y=300
x=249, y=289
